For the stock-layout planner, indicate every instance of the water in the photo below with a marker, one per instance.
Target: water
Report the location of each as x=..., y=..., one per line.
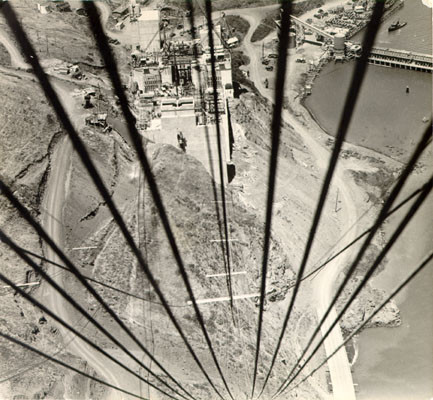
x=415, y=36
x=397, y=363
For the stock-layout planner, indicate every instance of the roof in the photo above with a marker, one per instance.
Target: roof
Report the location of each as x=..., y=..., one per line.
x=149, y=15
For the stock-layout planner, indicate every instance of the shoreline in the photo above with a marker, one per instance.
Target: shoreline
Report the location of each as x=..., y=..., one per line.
x=301, y=103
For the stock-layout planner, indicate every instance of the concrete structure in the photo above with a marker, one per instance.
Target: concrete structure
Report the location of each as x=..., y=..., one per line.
x=145, y=33
x=339, y=42
x=174, y=92
x=201, y=139
x=401, y=59
x=320, y=32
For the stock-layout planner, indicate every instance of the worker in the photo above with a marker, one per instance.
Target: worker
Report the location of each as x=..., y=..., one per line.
x=407, y=89
x=181, y=140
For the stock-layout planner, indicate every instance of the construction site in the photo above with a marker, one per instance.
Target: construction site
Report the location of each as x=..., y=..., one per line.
x=175, y=225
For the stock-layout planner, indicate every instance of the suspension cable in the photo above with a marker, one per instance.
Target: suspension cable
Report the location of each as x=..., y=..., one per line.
x=351, y=99
x=85, y=158
x=208, y=9
x=359, y=237
x=111, y=66
x=50, y=93
x=57, y=361
x=420, y=267
x=286, y=7
x=116, y=289
x=397, y=232
x=425, y=140
x=12, y=245
x=39, y=305
x=190, y=8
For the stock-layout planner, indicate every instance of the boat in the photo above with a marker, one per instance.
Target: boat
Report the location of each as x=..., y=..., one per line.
x=396, y=25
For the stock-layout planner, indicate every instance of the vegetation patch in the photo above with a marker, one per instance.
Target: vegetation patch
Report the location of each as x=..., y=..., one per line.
x=238, y=26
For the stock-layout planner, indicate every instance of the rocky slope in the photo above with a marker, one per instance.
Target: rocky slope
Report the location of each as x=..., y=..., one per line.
x=29, y=135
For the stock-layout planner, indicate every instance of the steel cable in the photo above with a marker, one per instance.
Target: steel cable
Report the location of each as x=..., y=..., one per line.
x=190, y=8
x=425, y=140
x=50, y=93
x=53, y=315
x=111, y=66
x=208, y=9
x=397, y=232
x=55, y=360
x=417, y=270
x=12, y=245
x=351, y=99
x=273, y=164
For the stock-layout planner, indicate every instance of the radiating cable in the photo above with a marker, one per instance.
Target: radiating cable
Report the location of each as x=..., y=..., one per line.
x=208, y=9
x=351, y=99
x=359, y=237
x=51, y=94
x=98, y=282
x=111, y=66
x=190, y=8
x=286, y=7
x=14, y=247
x=397, y=232
x=53, y=315
x=425, y=140
x=417, y=270
x=55, y=360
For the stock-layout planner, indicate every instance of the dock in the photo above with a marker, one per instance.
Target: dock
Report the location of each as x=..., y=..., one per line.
x=393, y=58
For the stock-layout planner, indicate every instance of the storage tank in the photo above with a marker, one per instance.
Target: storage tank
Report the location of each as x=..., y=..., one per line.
x=339, y=40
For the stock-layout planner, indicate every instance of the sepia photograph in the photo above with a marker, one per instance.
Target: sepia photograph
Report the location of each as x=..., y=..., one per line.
x=216, y=200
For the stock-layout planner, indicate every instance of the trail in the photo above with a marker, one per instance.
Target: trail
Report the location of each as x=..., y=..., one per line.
x=324, y=284
x=17, y=59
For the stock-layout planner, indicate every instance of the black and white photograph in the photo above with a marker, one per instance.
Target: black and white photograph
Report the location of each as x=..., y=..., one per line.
x=216, y=200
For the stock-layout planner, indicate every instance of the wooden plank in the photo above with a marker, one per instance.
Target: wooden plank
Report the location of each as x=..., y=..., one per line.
x=225, y=274
x=220, y=299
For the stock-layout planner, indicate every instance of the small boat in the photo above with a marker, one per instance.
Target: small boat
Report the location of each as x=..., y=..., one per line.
x=396, y=25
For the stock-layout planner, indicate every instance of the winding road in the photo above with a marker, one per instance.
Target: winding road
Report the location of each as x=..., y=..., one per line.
x=53, y=205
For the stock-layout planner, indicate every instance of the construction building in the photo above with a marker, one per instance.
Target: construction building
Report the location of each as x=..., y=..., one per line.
x=174, y=91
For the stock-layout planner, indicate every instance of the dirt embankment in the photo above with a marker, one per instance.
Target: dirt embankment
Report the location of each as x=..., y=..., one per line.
x=268, y=23
x=59, y=35
x=29, y=133
x=5, y=58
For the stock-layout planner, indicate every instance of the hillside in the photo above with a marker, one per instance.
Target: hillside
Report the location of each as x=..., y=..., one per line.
x=26, y=163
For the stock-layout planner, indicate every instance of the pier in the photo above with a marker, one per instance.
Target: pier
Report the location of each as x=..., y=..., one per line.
x=401, y=59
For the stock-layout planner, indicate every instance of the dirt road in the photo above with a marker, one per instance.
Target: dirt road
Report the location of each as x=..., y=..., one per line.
x=17, y=59
x=324, y=284
x=53, y=204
